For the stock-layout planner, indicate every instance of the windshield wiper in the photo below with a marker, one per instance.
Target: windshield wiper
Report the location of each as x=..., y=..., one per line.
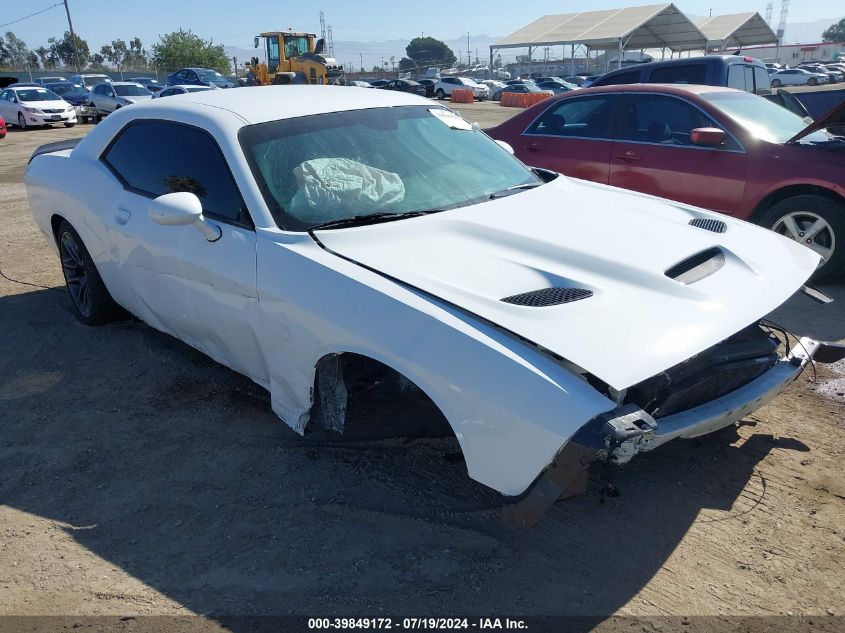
x=372, y=218
x=515, y=189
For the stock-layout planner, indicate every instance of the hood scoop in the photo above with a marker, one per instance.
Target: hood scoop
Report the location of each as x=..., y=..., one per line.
x=698, y=266
x=709, y=224
x=546, y=297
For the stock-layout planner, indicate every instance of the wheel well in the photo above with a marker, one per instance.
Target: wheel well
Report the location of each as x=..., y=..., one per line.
x=788, y=192
x=377, y=400
x=55, y=221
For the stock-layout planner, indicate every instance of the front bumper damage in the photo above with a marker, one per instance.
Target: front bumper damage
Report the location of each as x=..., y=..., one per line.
x=618, y=435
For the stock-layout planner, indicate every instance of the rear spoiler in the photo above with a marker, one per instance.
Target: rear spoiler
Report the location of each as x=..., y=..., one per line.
x=58, y=146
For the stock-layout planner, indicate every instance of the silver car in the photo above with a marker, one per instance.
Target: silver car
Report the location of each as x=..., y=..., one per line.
x=110, y=96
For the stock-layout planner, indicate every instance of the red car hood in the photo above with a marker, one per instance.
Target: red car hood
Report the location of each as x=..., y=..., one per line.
x=836, y=116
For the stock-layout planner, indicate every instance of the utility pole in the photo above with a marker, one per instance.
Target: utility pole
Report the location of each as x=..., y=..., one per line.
x=469, y=52
x=73, y=38
x=361, y=56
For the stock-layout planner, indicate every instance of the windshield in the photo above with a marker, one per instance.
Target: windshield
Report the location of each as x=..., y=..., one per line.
x=210, y=75
x=131, y=91
x=327, y=167
x=63, y=89
x=37, y=94
x=92, y=80
x=762, y=118
x=295, y=45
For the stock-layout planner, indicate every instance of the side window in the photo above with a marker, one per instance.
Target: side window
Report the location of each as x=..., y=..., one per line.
x=193, y=162
x=761, y=79
x=736, y=77
x=620, y=79
x=192, y=76
x=664, y=120
x=4, y=95
x=680, y=74
x=587, y=117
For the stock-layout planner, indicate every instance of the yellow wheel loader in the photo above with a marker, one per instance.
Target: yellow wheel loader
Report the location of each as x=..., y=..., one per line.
x=293, y=58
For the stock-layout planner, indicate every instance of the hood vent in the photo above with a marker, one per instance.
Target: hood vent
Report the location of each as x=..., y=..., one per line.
x=698, y=266
x=709, y=224
x=548, y=297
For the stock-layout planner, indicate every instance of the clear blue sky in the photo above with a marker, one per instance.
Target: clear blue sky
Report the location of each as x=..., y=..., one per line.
x=235, y=23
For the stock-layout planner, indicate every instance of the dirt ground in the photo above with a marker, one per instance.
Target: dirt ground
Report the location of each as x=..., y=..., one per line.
x=139, y=477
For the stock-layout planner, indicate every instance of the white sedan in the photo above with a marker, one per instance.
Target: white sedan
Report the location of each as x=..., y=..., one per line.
x=797, y=77
x=554, y=322
x=28, y=106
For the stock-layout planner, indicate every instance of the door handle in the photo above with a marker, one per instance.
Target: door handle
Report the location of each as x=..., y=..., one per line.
x=630, y=155
x=536, y=147
x=122, y=215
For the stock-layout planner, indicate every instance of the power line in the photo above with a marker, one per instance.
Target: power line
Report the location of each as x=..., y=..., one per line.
x=32, y=15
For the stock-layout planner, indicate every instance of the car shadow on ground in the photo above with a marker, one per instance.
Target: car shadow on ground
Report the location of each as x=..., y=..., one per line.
x=173, y=469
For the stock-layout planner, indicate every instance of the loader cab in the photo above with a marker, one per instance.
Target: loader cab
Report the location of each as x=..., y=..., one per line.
x=284, y=46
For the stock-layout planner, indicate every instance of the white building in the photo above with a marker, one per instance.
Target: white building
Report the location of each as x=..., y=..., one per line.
x=794, y=54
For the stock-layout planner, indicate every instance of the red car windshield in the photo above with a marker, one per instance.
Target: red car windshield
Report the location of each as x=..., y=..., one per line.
x=762, y=118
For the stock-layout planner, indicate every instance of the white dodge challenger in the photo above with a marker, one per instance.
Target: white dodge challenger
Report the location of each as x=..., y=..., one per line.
x=289, y=231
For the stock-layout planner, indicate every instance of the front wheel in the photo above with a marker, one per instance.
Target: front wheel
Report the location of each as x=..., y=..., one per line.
x=818, y=223
x=21, y=121
x=92, y=303
x=440, y=94
x=776, y=83
x=812, y=81
x=69, y=124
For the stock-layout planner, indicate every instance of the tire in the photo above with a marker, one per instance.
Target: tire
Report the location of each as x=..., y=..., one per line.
x=440, y=94
x=21, y=121
x=794, y=216
x=776, y=83
x=812, y=81
x=69, y=124
x=91, y=301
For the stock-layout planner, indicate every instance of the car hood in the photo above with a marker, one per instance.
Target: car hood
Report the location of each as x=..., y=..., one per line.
x=835, y=116
x=136, y=98
x=612, y=243
x=40, y=105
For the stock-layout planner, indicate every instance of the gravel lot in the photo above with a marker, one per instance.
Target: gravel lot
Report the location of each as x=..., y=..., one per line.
x=139, y=477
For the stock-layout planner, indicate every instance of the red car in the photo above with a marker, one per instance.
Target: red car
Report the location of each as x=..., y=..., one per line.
x=2, y=128
x=717, y=148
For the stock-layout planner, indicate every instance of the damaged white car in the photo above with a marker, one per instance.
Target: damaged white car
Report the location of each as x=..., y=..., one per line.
x=553, y=322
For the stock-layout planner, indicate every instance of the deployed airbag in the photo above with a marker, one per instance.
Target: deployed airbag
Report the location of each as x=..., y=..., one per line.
x=334, y=188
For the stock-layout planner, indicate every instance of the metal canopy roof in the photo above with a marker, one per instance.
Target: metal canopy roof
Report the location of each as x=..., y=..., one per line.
x=741, y=29
x=651, y=26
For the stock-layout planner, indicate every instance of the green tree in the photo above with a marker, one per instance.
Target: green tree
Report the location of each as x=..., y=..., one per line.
x=13, y=51
x=114, y=52
x=835, y=32
x=47, y=61
x=427, y=51
x=64, y=52
x=183, y=48
x=136, y=56
x=407, y=64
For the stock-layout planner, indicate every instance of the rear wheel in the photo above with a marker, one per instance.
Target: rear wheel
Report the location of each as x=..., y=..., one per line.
x=818, y=223
x=440, y=94
x=776, y=83
x=69, y=124
x=92, y=303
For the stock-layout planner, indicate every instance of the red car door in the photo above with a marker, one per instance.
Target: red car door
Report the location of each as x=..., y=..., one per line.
x=572, y=136
x=654, y=154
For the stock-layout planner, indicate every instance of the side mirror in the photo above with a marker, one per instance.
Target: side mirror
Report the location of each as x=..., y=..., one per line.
x=183, y=208
x=255, y=41
x=321, y=44
x=506, y=147
x=707, y=136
